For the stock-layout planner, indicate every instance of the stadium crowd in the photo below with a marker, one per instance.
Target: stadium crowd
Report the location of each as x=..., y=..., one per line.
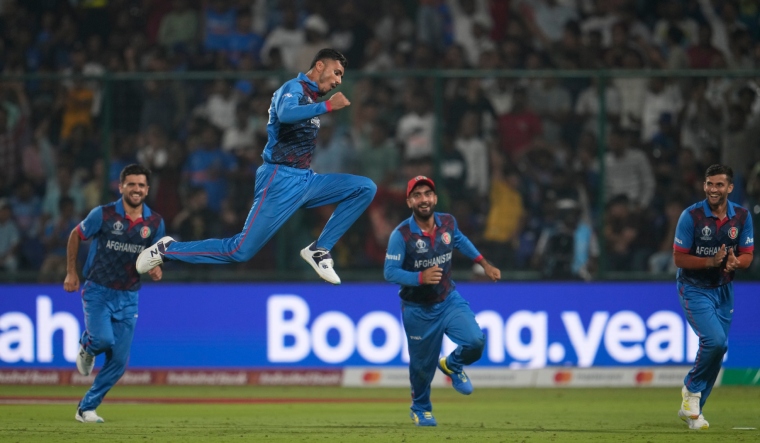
x=516, y=159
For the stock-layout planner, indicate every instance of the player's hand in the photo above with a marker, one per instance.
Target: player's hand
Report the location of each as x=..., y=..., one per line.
x=719, y=256
x=339, y=101
x=71, y=283
x=492, y=272
x=156, y=273
x=432, y=276
x=733, y=262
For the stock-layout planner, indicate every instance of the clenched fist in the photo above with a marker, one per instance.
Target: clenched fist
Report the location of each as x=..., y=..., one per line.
x=338, y=101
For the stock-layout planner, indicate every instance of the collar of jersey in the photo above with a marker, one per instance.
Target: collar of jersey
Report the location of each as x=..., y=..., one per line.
x=120, y=209
x=729, y=209
x=416, y=229
x=313, y=86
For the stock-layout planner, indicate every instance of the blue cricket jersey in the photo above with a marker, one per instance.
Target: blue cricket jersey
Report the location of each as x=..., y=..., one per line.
x=411, y=251
x=701, y=234
x=293, y=123
x=117, y=242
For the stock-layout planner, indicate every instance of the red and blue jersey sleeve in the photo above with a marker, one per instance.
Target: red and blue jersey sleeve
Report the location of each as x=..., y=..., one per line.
x=747, y=237
x=160, y=232
x=91, y=224
x=684, y=233
x=394, y=260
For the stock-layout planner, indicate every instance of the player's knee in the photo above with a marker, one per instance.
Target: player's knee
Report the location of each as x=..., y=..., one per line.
x=476, y=345
x=368, y=188
x=101, y=344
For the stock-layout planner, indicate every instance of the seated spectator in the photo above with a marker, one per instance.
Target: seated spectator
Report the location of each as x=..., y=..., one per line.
x=179, y=27
x=568, y=249
x=333, y=153
x=219, y=23
x=379, y=158
x=55, y=238
x=506, y=214
x=315, y=34
x=519, y=127
x=10, y=238
x=628, y=172
x=703, y=53
x=621, y=231
x=195, y=221
x=243, y=40
x=209, y=167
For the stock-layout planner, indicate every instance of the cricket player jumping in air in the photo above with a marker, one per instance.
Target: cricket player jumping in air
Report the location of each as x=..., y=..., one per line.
x=713, y=239
x=284, y=183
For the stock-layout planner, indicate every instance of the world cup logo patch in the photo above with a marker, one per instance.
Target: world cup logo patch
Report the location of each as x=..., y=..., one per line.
x=733, y=232
x=145, y=232
x=446, y=237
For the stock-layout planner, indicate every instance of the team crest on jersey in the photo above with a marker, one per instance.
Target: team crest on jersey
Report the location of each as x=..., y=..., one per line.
x=145, y=232
x=733, y=232
x=421, y=246
x=706, y=233
x=446, y=237
x=118, y=228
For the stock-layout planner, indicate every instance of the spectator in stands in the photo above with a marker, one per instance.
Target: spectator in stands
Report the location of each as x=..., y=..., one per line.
x=553, y=104
x=567, y=249
x=627, y=172
x=702, y=54
x=242, y=40
x=195, y=221
x=660, y=97
x=378, y=158
x=218, y=25
x=286, y=38
x=14, y=118
x=519, y=127
x=587, y=107
x=506, y=215
x=333, y=153
x=10, y=238
x=315, y=34
x=63, y=185
x=414, y=130
x=221, y=105
x=55, y=237
x=621, y=231
x=179, y=27
x=664, y=233
x=475, y=152
x=209, y=167
x=673, y=17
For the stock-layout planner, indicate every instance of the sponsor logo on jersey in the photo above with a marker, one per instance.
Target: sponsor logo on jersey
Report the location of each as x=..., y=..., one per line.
x=118, y=228
x=446, y=237
x=749, y=240
x=706, y=233
x=392, y=256
x=679, y=241
x=145, y=232
x=421, y=246
x=733, y=232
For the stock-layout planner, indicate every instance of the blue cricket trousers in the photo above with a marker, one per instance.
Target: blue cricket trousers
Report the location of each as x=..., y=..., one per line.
x=709, y=312
x=110, y=317
x=281, y=191
x=425, y=326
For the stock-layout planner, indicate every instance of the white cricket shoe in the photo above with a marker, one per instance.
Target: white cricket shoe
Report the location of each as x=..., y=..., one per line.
x=322, y=262
x=88, y=417
x=153, y=256
x=690, y=404
x=85, y=361
x=699, y=424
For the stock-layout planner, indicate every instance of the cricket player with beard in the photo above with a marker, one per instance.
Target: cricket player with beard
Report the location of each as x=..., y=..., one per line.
x=419, y=259
x=119, y=231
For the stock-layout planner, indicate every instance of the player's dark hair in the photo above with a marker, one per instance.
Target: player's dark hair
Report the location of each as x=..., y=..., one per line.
x=720, y=169
x=134, y=169
x=329, y=54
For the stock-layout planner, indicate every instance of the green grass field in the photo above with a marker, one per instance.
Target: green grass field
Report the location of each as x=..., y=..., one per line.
x=298, y=414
